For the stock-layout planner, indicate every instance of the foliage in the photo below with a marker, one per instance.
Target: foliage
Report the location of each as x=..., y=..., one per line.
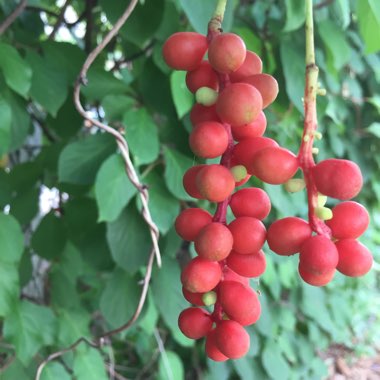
x=73, y=269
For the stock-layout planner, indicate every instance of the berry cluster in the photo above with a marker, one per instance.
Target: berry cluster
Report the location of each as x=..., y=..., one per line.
x=231, y=92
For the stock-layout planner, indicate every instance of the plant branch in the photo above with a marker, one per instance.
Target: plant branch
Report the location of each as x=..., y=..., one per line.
x=60, y=20
x=12, y=17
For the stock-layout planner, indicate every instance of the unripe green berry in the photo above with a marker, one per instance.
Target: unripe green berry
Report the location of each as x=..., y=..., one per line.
x=318, y=135
x=209, y=298
x=294, y=185
x=314, y=150
x=322, y=199
x=206, y=96
x=239, y=172
x=323, y=213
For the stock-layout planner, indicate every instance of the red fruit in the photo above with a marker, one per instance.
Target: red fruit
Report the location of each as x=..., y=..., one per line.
x=350, y=220
x=239, y=104
x=193, y=298
x=254, y=129
x=248, y=233
x=184, y=50
x=194, y=322
x=245, y=150
x=201, y=276
x=318, y=255
x=190, y=221
x=354, y=258
x=203, y=76
x=252, y=65
x=201, y=113
x=274, y=165
x=212, y=351
x=286, y=236
x=231, y=339
x=267, y=86
x=252, y=265
x=215, y=182
x=209, y=139
x=226, y=52
x=230, y=275
x=251, y=201
x=189, y=181
x=214, y=242
x=315, y=279
x=239, y=302
x=336, y=178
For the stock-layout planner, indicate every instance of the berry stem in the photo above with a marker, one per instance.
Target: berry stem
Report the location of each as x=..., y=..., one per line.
x=215, y=23
x=305, y=154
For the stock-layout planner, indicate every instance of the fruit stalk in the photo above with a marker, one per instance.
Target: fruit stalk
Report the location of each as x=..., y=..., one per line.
x=305, y=154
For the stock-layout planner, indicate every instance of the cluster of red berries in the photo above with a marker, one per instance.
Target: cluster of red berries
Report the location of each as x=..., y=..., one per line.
x=231, y=92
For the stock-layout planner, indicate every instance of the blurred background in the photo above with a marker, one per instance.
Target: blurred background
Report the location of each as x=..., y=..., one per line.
x=73, y=245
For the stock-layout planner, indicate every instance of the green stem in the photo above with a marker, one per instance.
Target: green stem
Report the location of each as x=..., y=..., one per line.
x=309, y=28
x=215, y=23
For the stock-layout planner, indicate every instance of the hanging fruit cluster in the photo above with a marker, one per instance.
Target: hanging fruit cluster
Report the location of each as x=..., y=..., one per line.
x=228, y=121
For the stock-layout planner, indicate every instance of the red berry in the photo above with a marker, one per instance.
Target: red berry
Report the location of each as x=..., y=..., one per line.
x=214, y=242
x=350, y=220
x=274, y=165
x=189, y=181
x=315, y=279
x=248, y=233
x=184, y=50
x=215, y=182
x=200, y=113
x=209, y=139
x=354, y=258
x=318, y=255
x=194, y=322
x=230, y=275
x=252, y=265
x=252, y=65
x=267, y=86
x=211, y=348
x=193, y=298
x=231, y=339
x=203, y=76
x=190, y=221
x=200, y=275
x=239, y=104
x=254, y=129
x=226, y=52
x=285, y=236
x=251, y=201
x=336, y=178
x=245, y=150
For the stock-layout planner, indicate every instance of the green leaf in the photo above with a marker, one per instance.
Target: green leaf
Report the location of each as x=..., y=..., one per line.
x=293, y=63
x=113, y=189
x=342, y=13
x=25, y=332
x=141, y=134
x=54, y=371
x=119, y=298
x=176, y=165
x=17, y=72
x=72, y=324
x=183, y=99
x=116, y=105
x=88, y=364
x=295, y=14
x=129, y=240
x=273, y=361
x=9, y=287
x=80, y=160
x=5, y=126
x=369, y=24
x=170, y=367
x=161, y=199
x=5, y=189
x=374, y=129
x=244, y=369
x=49, y=87
x=24, y=206
x=14, y=371
x=11, y=240
x=335, y=43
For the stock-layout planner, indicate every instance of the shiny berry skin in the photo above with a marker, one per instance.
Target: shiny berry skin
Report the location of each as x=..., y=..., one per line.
x=189, y=181
x=203, y=76
x=226, y=52
x=350, y=220
x=337, y=178
x=195, y=322
x=184, y=50
x=252, y=65
x=267, y=86
x=193, y=298
x=211, y=348
x=315, y=279
x=286, y=236
x=354, y=258
x=252, y=265
x=199, y=114
x=254, y=129
x=190, y=221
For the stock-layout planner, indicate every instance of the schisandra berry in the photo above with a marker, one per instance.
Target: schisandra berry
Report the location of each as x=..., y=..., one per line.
x=267, y=86
x=254, y=129
x=315, y=279
x=190, y=221
x=211, y=348
x=203, y=76
x=252, y=65
x=189, y=181
x=195, y=322
x=201, y=113
x=251, y=265
x=193, y=298
x=231, y=275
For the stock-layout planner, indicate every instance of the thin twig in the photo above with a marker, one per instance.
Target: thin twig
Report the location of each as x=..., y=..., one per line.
x=12, y=17
x=60, y=20
x=121, y=142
